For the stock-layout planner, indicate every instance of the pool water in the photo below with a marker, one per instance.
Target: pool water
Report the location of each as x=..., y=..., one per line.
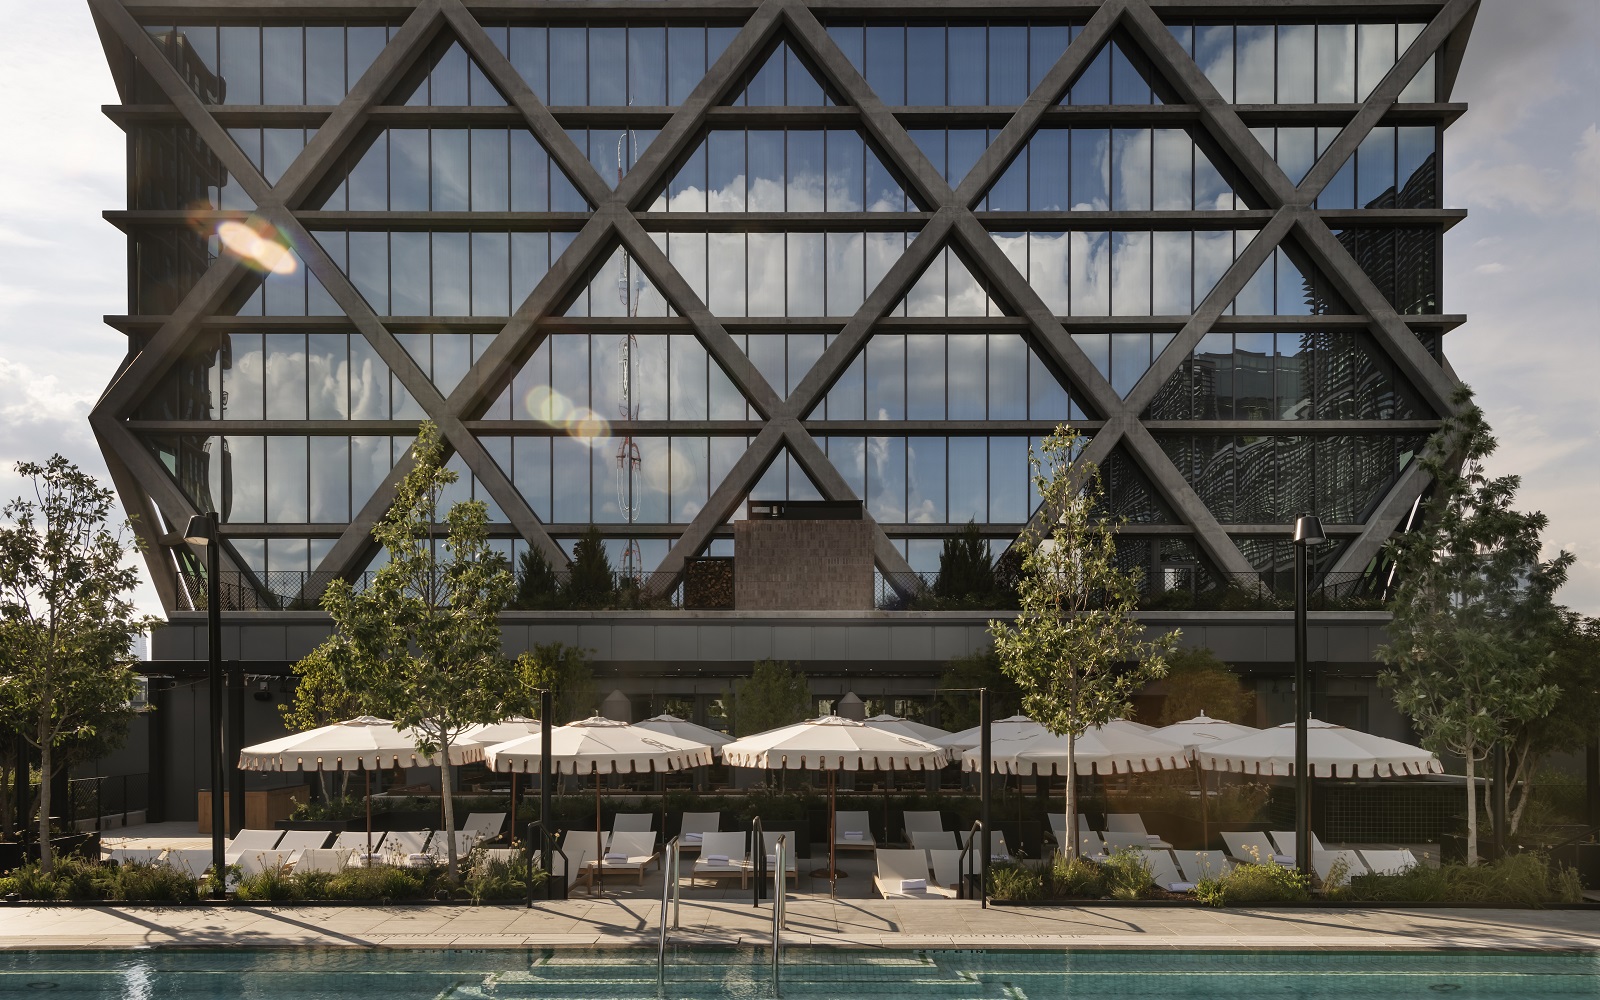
x=705, y=973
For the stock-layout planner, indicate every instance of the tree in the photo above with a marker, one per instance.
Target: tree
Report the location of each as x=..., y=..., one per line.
x=1074, y=650
x=421, y=645
x=1198, y=681
x=958, y=709
x=1475, y=622
x=538, y=589
x=774, y=695
x=563, y=670
x=68, y=620
x=1571, y=725
x=966, y=574
x=592, y=584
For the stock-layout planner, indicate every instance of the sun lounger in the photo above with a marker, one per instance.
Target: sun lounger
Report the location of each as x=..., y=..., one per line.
x=314, y=859
x=791, y=866
x=486, y=825
x=946, y=866
x=251, y=840
x=407, y=841
x=693, y=828
x=632, y=822
x=1250, y=848
x=1133, y=823
x=466, y=840
x=255, y=862
x=1389, y=862
x=1199, y=865
x=904, y=875
x=1090, y=845
x=722, y=855
x=928, y=820
x=195, y=861
x=581, y=848
x=852, y=832
x=934, y=840
x=504, y=855
x=629, y=850
x=997, y=845
x=1058, y=826
x=1116, y=841
x=1164, y=871
x=1283, y=842
x=135, y=855
x=1322, y=863
x=356, y=840
x=303, y=840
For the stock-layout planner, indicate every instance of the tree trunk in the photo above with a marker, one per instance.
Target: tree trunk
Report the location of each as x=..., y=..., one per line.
x=1520, y=788
x=1472, y=808
x=449, y=805
x=46, y=856
x=1072, y=797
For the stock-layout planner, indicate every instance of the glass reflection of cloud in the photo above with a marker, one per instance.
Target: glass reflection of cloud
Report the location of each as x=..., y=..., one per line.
x=266, y=251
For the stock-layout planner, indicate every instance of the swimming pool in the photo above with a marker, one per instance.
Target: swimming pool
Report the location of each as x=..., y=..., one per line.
x=707, y=973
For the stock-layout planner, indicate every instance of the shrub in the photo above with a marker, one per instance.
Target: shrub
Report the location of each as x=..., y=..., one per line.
x=1076, y=878
x=1127, y=875
x=492, y=878
x=145, y=883
x=1016, y=882
x=72, y=878
x=269, y=885
x=1515, y=880
x=376, y=883
x=1268, y=883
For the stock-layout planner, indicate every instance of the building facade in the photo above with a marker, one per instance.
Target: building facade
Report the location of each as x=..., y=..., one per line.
x=647, y=263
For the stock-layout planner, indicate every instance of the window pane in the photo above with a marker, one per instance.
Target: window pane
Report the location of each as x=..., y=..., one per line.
x=925, y=62
x=885, y=63
x=968, y=83
x=1297, y=45
x=1336, y=63
x=286, y=480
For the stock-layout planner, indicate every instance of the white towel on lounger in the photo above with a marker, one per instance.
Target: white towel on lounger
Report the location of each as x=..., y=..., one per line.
x=913, y=885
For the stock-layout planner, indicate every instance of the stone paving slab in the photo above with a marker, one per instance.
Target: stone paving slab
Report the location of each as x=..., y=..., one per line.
x=812, y=923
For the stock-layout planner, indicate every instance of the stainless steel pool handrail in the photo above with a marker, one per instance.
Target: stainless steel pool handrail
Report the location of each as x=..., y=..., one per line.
x=669, y=879
x=778, y=903
x=964, y=871
x=758, y=861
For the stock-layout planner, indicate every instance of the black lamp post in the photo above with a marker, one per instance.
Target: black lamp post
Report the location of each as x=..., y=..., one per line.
x=203, y=532
x=1307, y=532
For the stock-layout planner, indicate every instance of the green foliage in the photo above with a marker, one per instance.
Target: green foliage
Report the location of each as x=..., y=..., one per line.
x=1127, y=875
x=327, y=689
x=538, y=589
x=381, y=883
x=774, y=695
x=1198, y=681
x=151, y=884
x=1075, y=650
x=592, y=584
x=421, y=644
x=1515, y=880
x=562, y=669
x=67, y=620
x=1475, y=622
x=966, y=574
x=1076, y=878
x=492, y=878
x=958, y=708
x=270, y=885
x=1567, y=728
x=82, y=879
x=1268, y=883
x=1017, y=882
x=340, y=807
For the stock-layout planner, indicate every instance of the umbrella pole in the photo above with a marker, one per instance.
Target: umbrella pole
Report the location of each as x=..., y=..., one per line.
x=513, y=805
x=599, y=836
x=833, y=815
x=1205, y=809
x=368, y=775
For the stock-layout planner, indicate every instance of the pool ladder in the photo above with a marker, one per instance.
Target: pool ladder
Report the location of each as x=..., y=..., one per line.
x=672, y=895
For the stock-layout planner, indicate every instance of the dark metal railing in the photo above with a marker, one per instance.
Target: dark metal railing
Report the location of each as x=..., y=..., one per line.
x=298, y=590
x=546, y=843
x=106, y=796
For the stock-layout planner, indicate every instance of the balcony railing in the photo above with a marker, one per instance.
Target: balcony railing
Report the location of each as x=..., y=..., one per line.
x=295, y=590
x=1187, y=591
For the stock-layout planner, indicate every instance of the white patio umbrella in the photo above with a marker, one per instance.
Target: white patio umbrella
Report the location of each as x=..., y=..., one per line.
x=1332, y=752
x=833, y=744
x=1193, y=734
x=489, y=733
x=905, y=727
x=599, y=746
x=363, y=744
x=1105, y=749
x=671, y=725
x=1013, y=728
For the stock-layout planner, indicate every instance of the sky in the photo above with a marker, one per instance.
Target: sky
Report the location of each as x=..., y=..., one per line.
x=1524, y=266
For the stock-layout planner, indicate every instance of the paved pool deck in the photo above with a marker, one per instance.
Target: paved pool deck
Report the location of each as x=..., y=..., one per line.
x=633, y=922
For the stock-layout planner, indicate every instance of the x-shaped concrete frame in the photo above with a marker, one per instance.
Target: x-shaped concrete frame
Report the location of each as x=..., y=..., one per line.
x=150, y=492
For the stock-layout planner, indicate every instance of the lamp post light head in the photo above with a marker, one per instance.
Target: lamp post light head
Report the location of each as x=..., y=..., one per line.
x=199, y=530
x=1308, y=530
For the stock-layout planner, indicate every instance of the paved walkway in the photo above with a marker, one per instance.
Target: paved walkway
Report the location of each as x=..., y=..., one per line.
x=583, y=923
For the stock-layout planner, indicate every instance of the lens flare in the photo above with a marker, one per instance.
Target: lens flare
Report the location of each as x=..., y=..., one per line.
x=266, y=252
x=588, y=426
x=548, y=405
